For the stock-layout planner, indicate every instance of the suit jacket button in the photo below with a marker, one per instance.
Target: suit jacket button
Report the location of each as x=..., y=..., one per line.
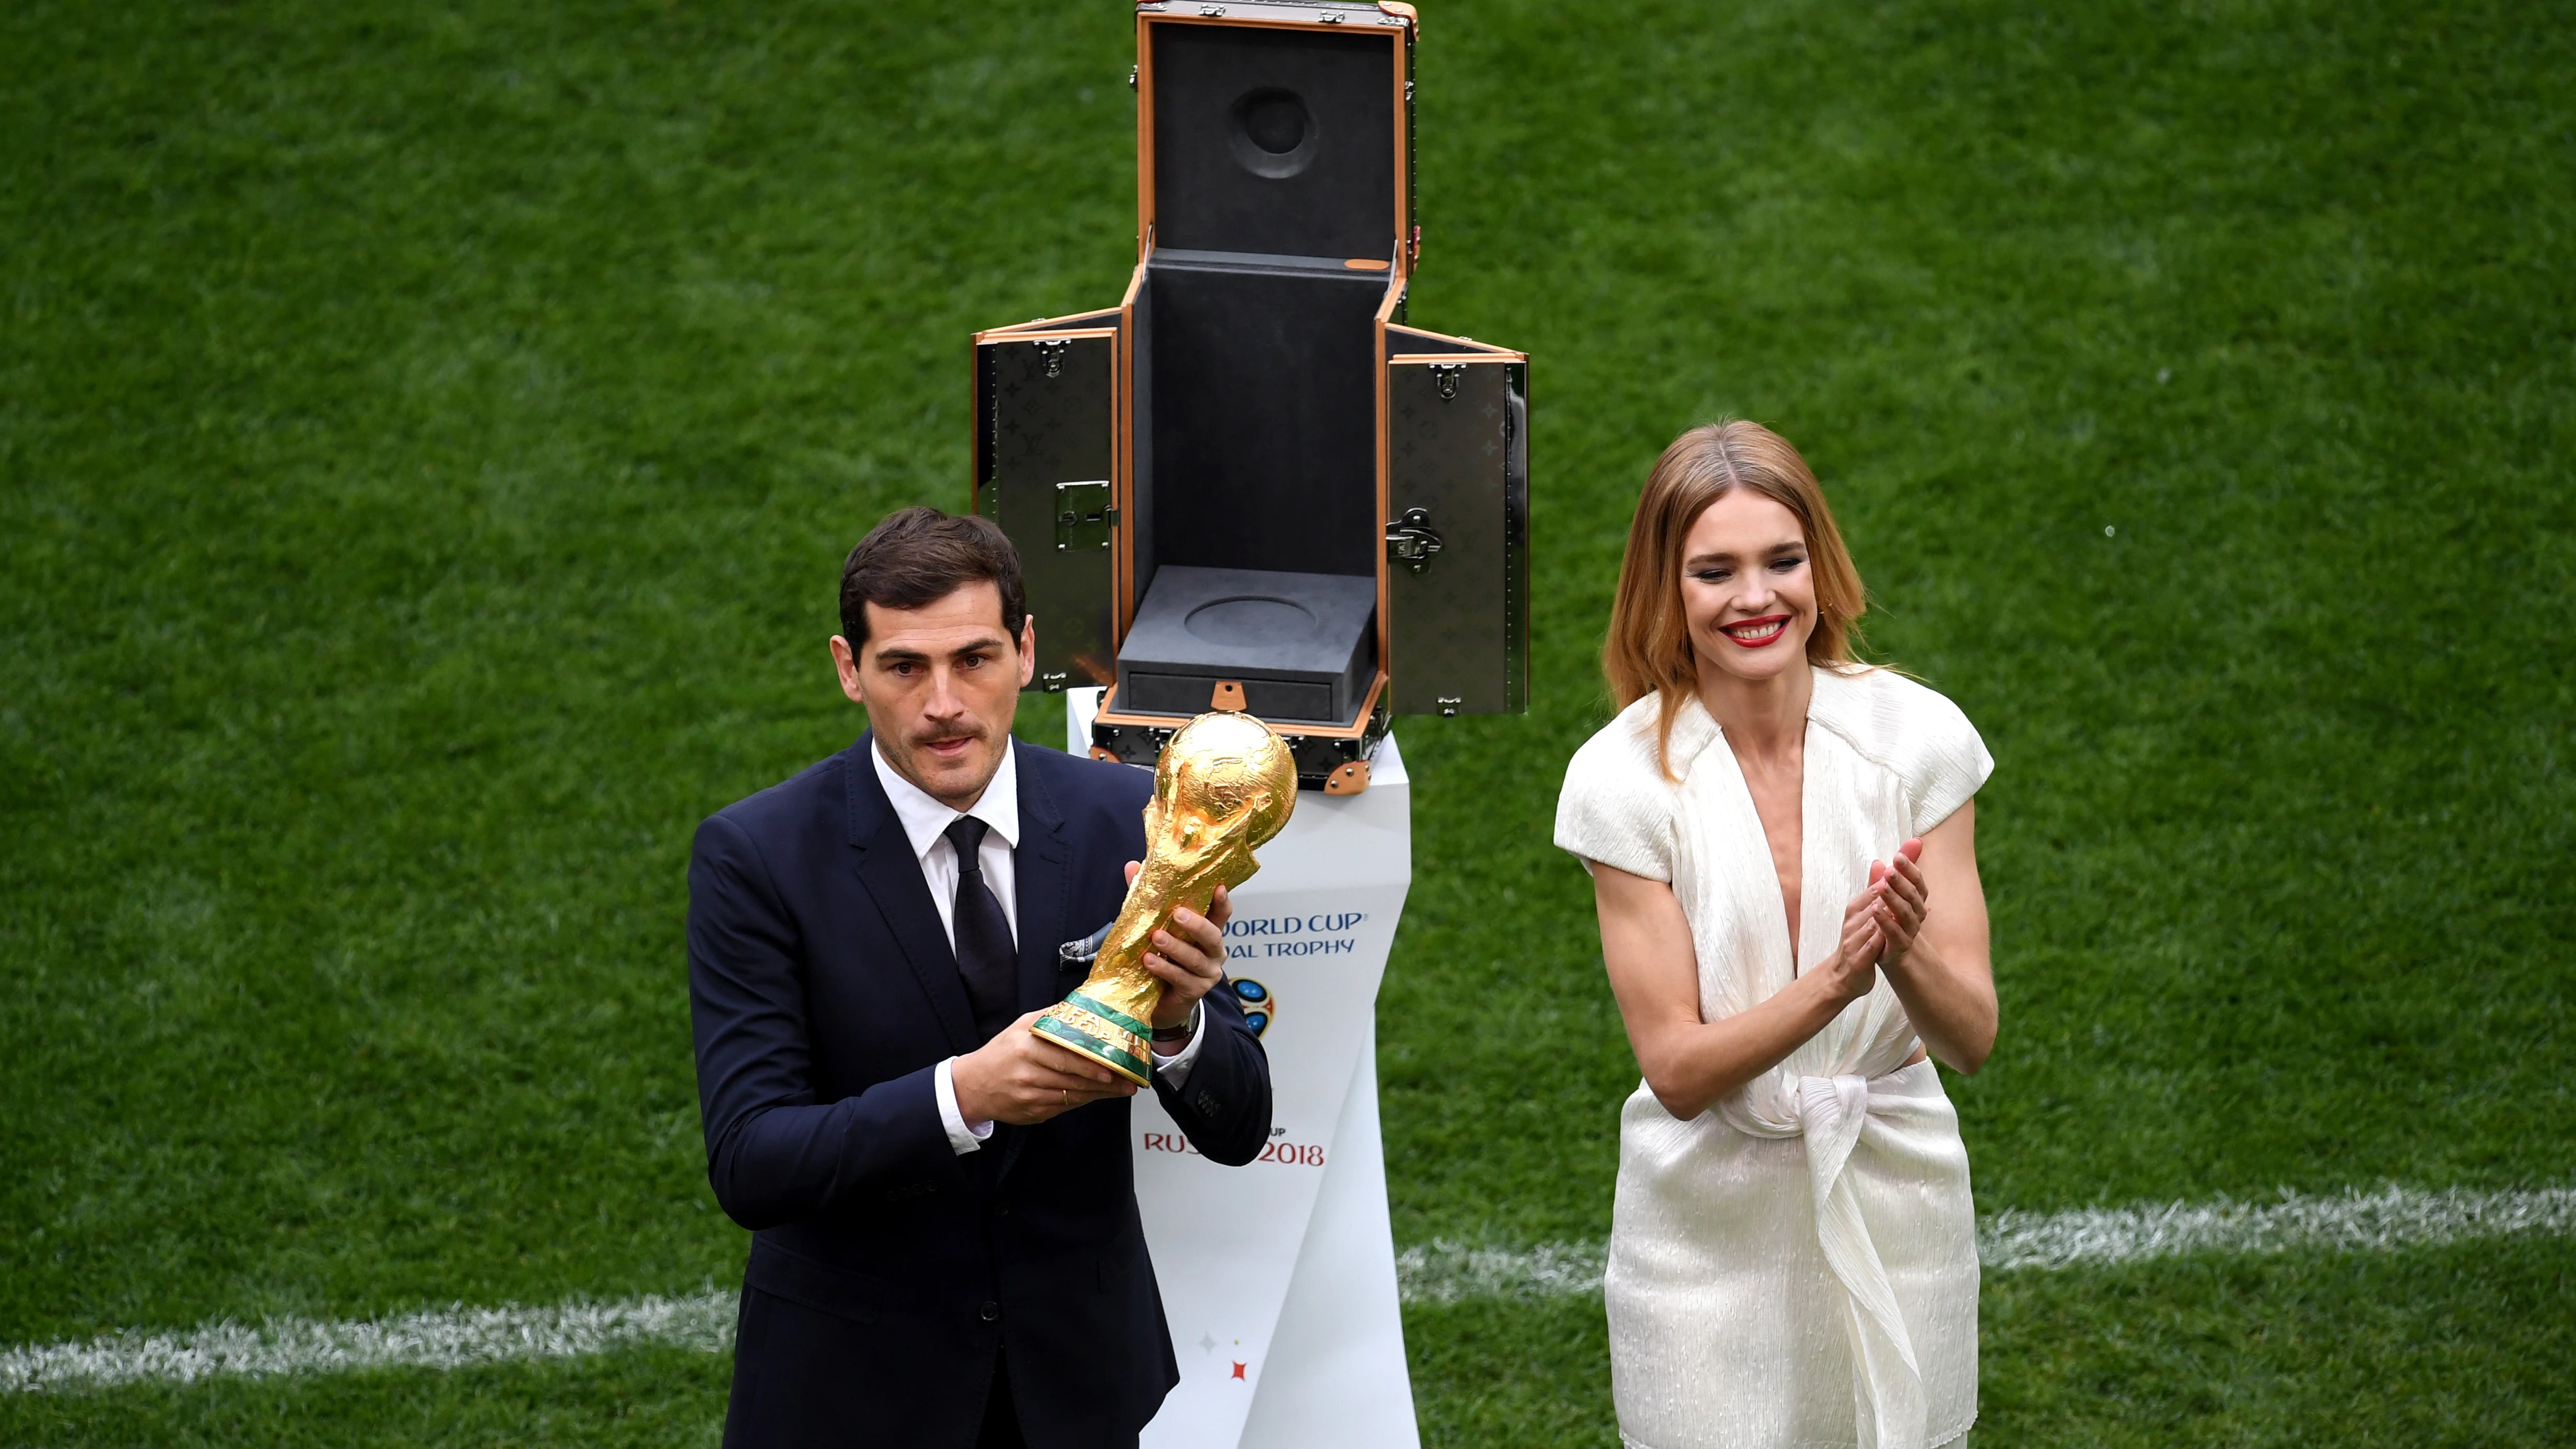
x=992, y=1311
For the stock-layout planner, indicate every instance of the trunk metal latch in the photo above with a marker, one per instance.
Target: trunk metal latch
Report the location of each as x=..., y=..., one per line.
x=1411, y=540
x=1083, y=517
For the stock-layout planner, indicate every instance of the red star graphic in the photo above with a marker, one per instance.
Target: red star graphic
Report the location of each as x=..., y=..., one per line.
x=1238, y=1370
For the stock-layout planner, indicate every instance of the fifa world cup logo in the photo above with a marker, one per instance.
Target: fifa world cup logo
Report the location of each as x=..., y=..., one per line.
x=1225, y=785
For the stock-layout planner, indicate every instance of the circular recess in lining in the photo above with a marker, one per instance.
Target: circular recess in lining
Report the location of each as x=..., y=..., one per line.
x=1273, y=133
x=1251, y=621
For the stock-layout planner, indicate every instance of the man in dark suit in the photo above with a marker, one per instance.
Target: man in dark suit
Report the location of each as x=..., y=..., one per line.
x=946, y=1249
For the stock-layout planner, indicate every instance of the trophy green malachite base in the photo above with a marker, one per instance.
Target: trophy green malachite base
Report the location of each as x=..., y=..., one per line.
x=1103, y=1033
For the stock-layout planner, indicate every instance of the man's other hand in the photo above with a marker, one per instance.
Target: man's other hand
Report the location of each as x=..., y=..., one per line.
x=1022, y=1078
x=1188, y=956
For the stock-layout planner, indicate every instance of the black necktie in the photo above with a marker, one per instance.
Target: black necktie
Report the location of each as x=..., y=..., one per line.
x=985, y=955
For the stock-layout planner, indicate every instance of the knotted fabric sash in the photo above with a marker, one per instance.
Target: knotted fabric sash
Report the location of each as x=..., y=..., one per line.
x=1888, y=1402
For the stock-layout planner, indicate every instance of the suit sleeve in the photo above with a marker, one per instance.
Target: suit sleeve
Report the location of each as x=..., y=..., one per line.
x=774, y=1154
x=1224, y=1108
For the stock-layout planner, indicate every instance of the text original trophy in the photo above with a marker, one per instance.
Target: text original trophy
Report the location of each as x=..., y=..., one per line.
x=1224, y=786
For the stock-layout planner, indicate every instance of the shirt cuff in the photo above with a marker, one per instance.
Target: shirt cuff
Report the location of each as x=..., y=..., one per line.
x=962, y=1138
x=1175, y=1068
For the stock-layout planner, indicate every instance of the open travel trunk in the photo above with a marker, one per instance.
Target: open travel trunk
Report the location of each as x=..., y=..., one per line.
x=1250, y=486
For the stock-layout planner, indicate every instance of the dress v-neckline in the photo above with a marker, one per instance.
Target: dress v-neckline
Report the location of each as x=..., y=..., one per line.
x=1790, y=924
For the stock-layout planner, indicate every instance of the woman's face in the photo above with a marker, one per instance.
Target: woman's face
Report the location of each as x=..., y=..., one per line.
x=1747, y=589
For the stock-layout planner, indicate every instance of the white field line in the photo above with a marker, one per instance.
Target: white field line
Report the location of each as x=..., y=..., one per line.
x=1440, y=1272
x=2393, y=1217
x=444, y=1339
x=2352, y=1222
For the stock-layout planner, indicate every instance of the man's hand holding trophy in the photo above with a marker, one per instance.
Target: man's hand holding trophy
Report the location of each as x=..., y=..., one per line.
x=1225, y=785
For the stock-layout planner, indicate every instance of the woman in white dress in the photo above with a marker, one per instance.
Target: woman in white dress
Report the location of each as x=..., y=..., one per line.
x=1783, y=852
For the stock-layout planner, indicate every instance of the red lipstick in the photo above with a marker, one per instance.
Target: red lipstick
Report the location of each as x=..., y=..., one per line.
x=1766, y=631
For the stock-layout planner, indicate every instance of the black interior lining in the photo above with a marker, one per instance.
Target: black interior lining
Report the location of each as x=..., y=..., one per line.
x=1264, y=419
x=1140, y=442
x=1279, y=141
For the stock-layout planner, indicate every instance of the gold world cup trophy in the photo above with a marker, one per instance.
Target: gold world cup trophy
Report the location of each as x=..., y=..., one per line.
x=1225, y=785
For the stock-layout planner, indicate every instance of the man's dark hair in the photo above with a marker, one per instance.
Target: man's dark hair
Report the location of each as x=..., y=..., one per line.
x=919, y=556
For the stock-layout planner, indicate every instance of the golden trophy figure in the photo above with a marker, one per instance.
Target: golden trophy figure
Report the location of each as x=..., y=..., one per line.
x=1224, y=786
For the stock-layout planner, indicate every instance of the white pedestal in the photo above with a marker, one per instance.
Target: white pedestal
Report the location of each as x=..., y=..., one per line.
x=1279, y=1278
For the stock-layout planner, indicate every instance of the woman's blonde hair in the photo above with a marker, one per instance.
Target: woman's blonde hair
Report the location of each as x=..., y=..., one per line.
x=1648, y=650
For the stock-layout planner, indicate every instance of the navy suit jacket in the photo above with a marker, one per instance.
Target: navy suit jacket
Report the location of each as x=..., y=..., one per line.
x=888, y=1275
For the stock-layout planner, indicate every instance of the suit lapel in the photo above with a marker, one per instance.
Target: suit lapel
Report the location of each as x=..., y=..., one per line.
x=891, y=875
x=1043, y=867
x=1043, y=870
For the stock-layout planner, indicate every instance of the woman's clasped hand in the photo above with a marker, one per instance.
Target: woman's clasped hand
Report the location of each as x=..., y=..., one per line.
x=1880, y=924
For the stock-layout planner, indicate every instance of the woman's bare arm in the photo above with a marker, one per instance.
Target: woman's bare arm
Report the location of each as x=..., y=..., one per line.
x=1654, y=972
x=1933, y=916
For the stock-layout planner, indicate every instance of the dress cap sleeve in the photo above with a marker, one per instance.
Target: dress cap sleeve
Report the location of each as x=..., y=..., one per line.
x=1617, y=808
x=1953, y=766
x=1932, y=747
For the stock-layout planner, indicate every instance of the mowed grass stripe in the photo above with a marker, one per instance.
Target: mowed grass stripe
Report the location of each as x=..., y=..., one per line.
x=1438, y=1273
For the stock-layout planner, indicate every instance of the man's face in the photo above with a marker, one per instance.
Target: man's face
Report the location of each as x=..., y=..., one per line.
x=941, y=684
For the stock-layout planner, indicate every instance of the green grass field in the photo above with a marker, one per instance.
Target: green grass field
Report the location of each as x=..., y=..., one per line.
x=429, y=435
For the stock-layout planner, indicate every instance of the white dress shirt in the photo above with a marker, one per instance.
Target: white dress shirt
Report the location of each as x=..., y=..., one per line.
x=925, y=825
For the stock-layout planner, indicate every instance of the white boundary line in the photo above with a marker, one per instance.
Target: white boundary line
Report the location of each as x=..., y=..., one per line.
x=2393, y=1217
x=1440, y=1272
x=2349, y=1222
x=442, y=1339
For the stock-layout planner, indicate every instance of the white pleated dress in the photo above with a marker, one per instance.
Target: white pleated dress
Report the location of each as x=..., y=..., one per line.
x=1797, y=1265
